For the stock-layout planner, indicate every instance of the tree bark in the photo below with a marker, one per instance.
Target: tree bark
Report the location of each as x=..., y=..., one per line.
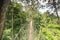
x=2, y=16
x=31, y=29
x=31, y=26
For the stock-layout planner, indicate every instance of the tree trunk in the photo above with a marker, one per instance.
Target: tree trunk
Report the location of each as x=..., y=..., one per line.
x=31, y=29
x=19, y=36
x=2, y=16
x=54, y=5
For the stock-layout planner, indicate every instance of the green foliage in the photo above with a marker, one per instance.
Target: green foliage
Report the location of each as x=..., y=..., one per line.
x=45, y=26
x=19, y=19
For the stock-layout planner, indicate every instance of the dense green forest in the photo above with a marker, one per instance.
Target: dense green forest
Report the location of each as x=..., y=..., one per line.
x=30, y=24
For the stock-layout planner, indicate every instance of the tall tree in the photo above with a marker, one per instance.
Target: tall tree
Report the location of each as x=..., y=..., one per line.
x=32, y=10
x=3, y=8
x=55, y=4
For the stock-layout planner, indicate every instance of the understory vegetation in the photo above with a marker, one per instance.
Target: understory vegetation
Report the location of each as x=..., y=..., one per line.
x=17, y=21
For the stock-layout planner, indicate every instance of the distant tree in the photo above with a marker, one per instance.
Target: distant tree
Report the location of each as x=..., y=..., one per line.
x=55, y=4
x=52, y=4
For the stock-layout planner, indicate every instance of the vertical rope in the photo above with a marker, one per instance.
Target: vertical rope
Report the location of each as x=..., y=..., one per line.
x=12, y=27
x=12, y=24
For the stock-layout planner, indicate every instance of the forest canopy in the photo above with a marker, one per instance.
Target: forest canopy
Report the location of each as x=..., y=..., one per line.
x=25, y=21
